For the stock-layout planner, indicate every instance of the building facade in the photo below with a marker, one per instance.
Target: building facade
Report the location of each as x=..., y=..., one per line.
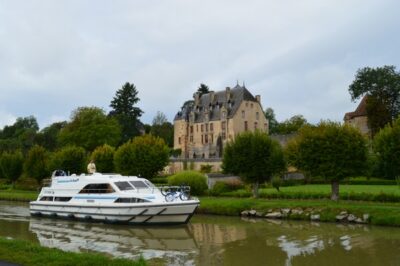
x=359, y=118
x=204, y=125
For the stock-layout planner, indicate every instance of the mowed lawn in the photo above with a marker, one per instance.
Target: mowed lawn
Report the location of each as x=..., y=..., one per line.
x=370, y=189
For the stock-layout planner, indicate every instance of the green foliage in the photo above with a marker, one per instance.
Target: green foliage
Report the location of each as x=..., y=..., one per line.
x=90, y=128
x=276, y=182
x=48, y=136
x=124, y=110
x=382, y=86
x=255, y=157
x=103, y=157
x=291, y=125
x=29, y=184
x=386, y=145
x=225, y=186
x=11, y=165
x=195, y=180
x=20, y=135
x=203, y=89
x=206, y=168
x=143, y=156
x=70, y=159
x=163, y=129
x=330, y=150
x=36, y=163
x=176, y=152
x=273, y=123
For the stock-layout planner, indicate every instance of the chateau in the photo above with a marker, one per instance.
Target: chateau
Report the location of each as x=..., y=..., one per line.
x=204, y=125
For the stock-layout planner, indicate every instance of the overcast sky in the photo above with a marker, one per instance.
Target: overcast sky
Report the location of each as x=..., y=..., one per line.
x=300, y=56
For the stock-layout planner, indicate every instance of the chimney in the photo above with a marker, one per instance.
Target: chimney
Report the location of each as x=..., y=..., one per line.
x=196, y=97
x=258, y=98
x=212, y=96
x=228, y=94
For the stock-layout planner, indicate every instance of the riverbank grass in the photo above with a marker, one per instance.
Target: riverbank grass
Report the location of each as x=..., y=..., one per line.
x=26, y=253
x=18, y=195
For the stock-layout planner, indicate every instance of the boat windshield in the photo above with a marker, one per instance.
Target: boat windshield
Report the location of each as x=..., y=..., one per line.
x=123, y=186
x=138, y=184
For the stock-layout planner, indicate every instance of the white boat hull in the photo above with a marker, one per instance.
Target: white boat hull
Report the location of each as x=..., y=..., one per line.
x=128, y=213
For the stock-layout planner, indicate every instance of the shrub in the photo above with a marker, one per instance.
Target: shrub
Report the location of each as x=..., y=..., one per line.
x=276, y=182
x=195, y=180
x=206, y=168
x=36, y=163
x=26, y=184
x=11, y=165
x=226, y=186
x=143, y=156
x=103, y=156
x=71, y=159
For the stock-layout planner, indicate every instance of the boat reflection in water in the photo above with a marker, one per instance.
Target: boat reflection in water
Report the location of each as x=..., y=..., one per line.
x=176, y=245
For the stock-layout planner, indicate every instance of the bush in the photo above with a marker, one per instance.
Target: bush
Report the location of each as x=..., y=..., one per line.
x=206, y=168
x=71, y=159
x=36, y=163
x=26, y=184
x=103, y=157
x=160, y=180
x=276, y=182
x=11, y=165
x=143, y=156
x=226, y=186
x=195, y=180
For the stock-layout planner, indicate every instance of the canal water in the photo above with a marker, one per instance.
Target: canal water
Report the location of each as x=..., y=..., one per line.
x=213, y=240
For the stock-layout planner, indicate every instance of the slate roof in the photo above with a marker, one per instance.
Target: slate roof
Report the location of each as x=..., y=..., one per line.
x=237, y=95
x=360, y=111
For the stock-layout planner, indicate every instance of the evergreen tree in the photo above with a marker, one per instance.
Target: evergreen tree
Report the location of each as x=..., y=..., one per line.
x=203, y=89
x=123, y=108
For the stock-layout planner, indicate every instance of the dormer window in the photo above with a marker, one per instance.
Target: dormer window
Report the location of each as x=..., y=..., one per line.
x=243, y=114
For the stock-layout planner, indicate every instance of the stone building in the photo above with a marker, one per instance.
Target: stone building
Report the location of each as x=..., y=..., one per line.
x=204, y=125
x=359, y=118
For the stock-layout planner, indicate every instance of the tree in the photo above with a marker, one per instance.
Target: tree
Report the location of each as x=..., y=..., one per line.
x=36, y=163
x=11, y=165
x=203, y=89
x=329, y=150
x=163, y=129
x=47, y=137
x=143, y=156
x=273, y=123
x=255, y=157
x=386, y=145
x=20, y=135
x=291, y=125
x=89, y=128
x=104, y=158
x=382, y=87
x=124, y=110
x=72, y=159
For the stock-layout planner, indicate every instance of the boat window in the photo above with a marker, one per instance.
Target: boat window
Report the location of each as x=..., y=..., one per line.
x=138, y=184
x=62, y=198
x=130, y=200
x=149, y=184
x=123, y=186
x=97, y=188
x=45, y=198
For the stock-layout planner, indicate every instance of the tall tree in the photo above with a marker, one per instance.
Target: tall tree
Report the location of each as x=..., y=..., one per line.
x=127, y=114
x=382, y=87
x=163, y=129
x=329, y=150
x=203, y=89
x=47, y=137
x=291, y=125
x=89, y=128
x=255, y=157
x=273, y=123
x=20, y=135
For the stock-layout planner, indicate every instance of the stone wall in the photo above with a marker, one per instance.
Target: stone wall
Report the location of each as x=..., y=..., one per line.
x=178, y=165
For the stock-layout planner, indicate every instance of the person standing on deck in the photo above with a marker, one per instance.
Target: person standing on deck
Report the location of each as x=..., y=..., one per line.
x=91, y=168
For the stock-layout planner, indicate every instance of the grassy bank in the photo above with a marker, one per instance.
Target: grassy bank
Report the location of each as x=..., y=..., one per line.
x=379, y=213
x=26, y=253
x=18, y=195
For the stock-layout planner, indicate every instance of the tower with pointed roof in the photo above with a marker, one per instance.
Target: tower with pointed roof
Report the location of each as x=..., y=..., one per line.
x=359, y=118
x=204, y=125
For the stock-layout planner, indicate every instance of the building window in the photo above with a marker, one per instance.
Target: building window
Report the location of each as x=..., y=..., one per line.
x=245, y=126
x=191, y=139
x=191, y=129
x=247, y=104
x=223, y=125
x=211, y=127
x=211, y=138
x=202, y=139
x=179, y=140
x=223, y=135
x=251, y=105
x=206, y=127
x=197, y=128
x=202, y=128
x=243, y=114
x=223, y=115
x=206, y=138
x=255, y=125
x=265, y=126
x=257, y=116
